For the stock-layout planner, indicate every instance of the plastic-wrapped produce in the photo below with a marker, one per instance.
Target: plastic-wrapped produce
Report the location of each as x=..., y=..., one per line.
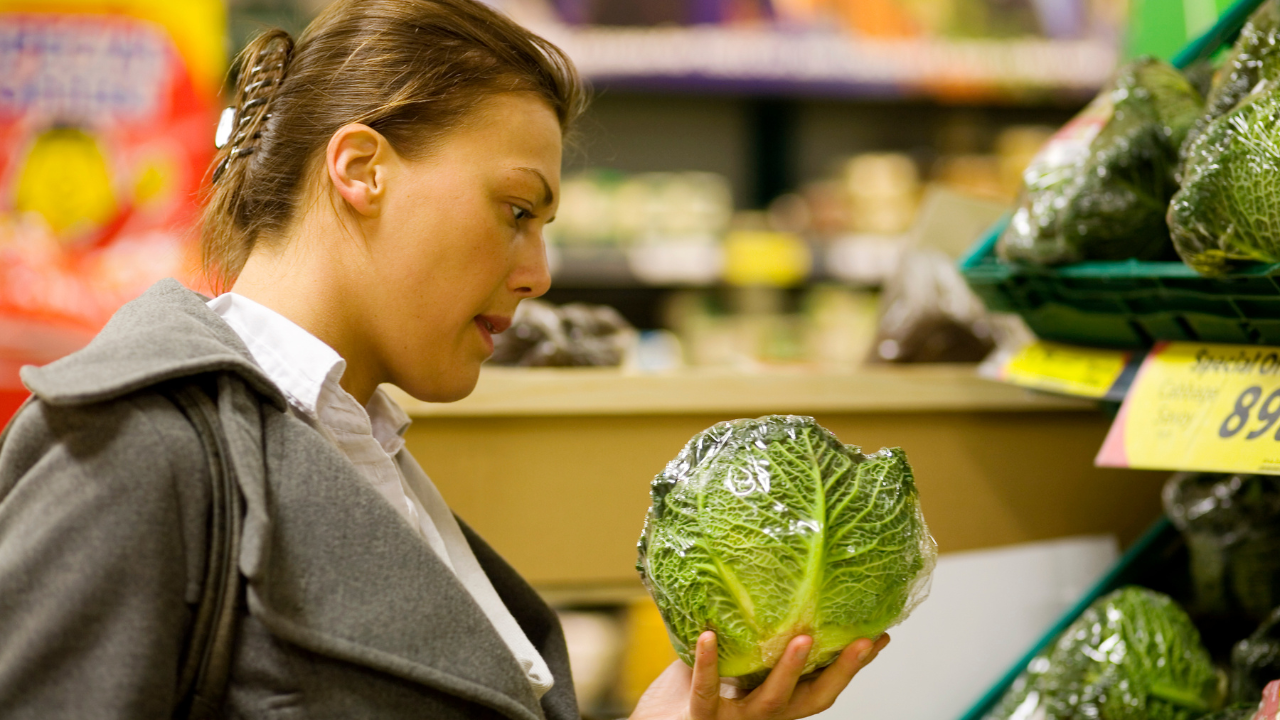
x=1239, y=711
x=543, y=335
x=1255, y=661
x=1254, y=57
x=1227, y=211
x=929, y=314
x=1099, y=189
x=1132, y=655
x=1232, y=527
x=762, y=530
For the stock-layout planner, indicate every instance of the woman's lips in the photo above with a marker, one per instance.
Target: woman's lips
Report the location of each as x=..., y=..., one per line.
x=486, y=334
x=490, y=325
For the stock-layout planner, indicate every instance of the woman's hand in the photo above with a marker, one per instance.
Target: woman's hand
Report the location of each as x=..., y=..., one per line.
x=683, y=694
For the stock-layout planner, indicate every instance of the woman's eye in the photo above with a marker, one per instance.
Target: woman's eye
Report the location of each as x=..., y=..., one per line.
x=520, y=213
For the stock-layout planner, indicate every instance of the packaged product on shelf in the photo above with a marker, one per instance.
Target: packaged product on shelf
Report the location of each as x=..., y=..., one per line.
x=1255, y=661
x=929, y=314
x=766, y=529
x=1254, y=57
x=107, y=110
x=1225, y=213
x=1132, y=654
x=574, y=335
x=1232, y=528
x=1099, y=189
x=1239, y=711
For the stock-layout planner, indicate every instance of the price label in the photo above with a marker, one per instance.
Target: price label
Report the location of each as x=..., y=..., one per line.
x=1200, y=407
x=1066, y=369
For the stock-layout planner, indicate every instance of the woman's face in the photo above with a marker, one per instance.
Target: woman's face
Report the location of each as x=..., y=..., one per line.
x=458, y=244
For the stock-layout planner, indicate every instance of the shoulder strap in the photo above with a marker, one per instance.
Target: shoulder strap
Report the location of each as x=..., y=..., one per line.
x=206, y=665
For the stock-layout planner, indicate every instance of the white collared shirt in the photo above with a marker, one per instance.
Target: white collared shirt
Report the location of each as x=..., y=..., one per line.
x=309, y=372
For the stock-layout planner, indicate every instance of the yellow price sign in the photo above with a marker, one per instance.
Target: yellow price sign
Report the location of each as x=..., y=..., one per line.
x=1066, y=369
x=1213, y=408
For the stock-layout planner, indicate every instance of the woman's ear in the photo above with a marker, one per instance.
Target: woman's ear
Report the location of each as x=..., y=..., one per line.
x=357, y=162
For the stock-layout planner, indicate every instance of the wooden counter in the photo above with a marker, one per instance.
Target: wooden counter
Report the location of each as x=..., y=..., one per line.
x=553, y=466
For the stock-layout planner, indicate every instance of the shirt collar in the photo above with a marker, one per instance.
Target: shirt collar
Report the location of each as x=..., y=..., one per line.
x=301, y=365
x=297, y=361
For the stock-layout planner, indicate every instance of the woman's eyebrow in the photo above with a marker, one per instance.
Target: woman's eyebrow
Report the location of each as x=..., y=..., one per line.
x=548, y=197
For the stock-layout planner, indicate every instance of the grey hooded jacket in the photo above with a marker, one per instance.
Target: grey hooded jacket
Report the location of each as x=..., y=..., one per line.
x=104, y=512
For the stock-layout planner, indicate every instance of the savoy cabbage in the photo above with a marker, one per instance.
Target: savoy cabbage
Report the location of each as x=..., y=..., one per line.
x=1132, y=655
x=765, y=529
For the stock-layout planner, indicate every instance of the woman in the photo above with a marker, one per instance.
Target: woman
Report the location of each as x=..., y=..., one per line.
x=377, y=213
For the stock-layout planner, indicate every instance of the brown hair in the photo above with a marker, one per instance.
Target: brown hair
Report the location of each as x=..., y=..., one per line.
x=410, y=69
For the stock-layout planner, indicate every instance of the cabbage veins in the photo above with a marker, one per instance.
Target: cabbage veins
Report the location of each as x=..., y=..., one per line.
x=765, y=529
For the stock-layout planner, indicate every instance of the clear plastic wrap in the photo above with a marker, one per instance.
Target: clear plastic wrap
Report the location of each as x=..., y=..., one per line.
x=1254, y=57
x=1255, y=661
x=1227, y=211
x=929, y=314
x=1099, y=189
x=1132, y=655
x=1232, y=527
x=1239, y=711
x=577, y=334
x=765, y=529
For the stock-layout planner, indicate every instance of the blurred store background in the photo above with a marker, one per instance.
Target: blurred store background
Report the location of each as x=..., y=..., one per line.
x=768, y=194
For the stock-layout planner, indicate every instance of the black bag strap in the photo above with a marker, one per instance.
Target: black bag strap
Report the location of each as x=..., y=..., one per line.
x=206, y=666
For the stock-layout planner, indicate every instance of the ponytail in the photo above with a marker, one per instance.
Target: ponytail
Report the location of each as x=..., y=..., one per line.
x=228, y=233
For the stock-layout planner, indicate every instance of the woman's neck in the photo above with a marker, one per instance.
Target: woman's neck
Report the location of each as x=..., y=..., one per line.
x=306, y=285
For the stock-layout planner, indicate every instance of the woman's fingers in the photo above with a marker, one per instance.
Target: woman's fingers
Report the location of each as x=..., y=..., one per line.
x=774, y=695
x=704, y=692
x=819, y=694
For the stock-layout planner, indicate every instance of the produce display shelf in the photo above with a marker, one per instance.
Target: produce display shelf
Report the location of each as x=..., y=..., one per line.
x=829, y=63
x=1133, y=304
x=1146, y=563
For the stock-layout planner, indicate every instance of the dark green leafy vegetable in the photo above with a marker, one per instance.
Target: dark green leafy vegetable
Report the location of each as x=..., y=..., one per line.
x=1228, y=211
x=1253, y=58
x=1239, y=711
x=1232, y=527
x=1132, y=655
x=1255, y=661
x=1100, y=188
x=766, y=529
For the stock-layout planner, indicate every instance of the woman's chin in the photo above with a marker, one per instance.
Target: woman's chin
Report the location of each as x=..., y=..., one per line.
x=443, y=388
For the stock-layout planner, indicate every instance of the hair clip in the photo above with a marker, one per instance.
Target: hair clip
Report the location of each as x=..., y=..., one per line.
x=225, y=121
x=251, y=87
x=222, y=166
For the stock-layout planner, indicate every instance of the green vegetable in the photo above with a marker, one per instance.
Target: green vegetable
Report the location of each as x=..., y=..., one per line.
x=1239, y=711
x=1099, y=190
x=1255, y=661
x=1228, y=211
x=766, y=529
x=1254, y=57
x=1232, y=527
x=1132, y=655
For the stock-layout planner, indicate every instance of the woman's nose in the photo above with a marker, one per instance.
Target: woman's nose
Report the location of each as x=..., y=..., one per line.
x=532, y=276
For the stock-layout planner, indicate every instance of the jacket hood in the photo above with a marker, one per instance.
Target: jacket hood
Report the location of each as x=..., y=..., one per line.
x=167, y=333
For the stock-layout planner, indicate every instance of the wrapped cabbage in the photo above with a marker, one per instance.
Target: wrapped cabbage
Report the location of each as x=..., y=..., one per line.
x=1132, y=655
x=1252, y=59
x=1231, y=524
x=762, y=530
x=1239, y=711
x=1099, y=189
x=1227, y=211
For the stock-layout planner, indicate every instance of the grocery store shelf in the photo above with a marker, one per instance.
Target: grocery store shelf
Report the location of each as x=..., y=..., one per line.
x=830, y=64
x=607, y=391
